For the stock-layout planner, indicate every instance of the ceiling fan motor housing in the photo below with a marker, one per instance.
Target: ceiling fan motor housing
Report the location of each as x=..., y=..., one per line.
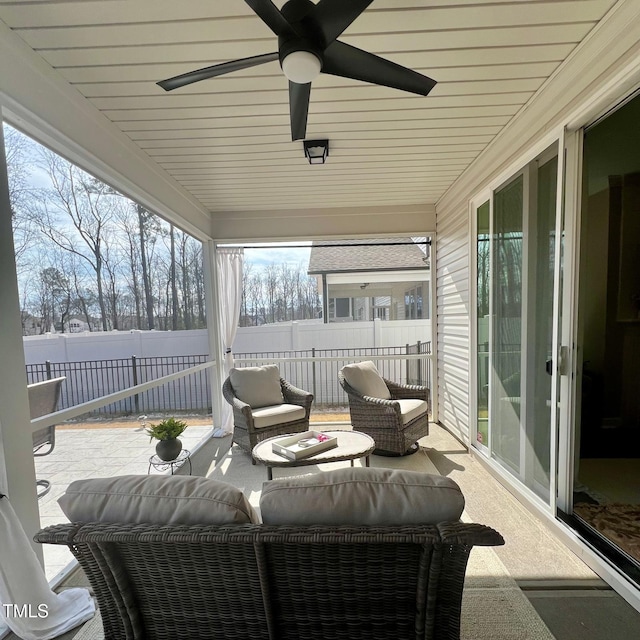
x=307, y=38
x=296, y=45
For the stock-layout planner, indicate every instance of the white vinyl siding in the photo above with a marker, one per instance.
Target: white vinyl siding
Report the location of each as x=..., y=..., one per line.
x=453, y=311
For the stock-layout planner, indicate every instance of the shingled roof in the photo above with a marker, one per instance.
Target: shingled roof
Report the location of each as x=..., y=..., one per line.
x=337, y=256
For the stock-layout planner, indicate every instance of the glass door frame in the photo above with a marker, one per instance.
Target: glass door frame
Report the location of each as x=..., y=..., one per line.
x=560, y=329
x=570, y=369
x=482, y=198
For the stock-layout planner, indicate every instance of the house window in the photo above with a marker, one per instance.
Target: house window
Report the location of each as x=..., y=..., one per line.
x=413, y=304
x=340, y=308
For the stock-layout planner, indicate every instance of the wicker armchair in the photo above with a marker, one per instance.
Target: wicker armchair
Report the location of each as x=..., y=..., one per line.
x=247, y=434
x=394, y=429
x=268, y=582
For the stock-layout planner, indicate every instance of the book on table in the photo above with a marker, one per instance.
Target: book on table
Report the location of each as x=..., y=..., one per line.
x=304, y=445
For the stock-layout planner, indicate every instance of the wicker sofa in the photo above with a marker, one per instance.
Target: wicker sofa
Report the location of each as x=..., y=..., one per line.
x=232, y=577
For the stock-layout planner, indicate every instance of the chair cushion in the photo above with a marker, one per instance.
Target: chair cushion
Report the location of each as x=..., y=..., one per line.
x=410, y=409
x=361, y=496
x=156, y=499
x=365, y=378
x=257, y=386
x=277, y=414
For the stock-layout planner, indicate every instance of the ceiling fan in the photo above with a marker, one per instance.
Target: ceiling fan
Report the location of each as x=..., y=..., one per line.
x=307, y=46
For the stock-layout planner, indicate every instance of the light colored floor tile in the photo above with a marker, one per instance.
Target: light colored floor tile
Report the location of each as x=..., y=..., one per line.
x=93, y=453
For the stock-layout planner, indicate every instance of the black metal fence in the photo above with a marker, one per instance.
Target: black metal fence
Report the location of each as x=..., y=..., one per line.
x=96, y=378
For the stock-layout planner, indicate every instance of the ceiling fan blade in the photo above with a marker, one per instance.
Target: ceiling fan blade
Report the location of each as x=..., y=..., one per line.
x=215, y=70
x=299, y=109
x=332, y=17
x=271, y=16
x=343, y=60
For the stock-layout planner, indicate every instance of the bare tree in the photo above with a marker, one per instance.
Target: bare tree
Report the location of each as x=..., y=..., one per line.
x=271, y=290
x=131, y=247
x=76, y=214
x=117, y=269
x=18, y=158
x=172, y=278
x=197, y=266
x=147, y=227
x=54, y=298
x=113, y=291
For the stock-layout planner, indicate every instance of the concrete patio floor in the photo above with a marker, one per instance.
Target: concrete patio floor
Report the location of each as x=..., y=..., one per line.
x=94, y=452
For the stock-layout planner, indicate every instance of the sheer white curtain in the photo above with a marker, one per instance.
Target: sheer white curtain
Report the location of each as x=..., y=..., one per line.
x=27, y=604
x=229, y=263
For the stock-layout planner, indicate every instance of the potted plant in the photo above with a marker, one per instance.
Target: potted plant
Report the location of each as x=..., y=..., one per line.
x=167, y=432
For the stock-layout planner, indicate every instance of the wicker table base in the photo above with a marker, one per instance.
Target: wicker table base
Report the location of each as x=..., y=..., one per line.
x=351, y=446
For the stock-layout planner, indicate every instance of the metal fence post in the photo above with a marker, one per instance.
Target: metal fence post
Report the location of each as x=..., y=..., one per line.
x=407, y=364
x=136, y=398
x=420, y=362
x=48, y=367
x=313, y=372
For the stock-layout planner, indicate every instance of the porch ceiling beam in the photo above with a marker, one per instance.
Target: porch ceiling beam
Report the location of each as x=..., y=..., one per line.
x=36, y=99
x=325, y=223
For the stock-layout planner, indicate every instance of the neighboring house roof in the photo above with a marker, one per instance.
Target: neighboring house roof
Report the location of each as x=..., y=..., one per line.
x=383, y=254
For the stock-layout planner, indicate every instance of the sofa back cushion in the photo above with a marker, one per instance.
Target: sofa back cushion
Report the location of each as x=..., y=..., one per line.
x=257, y=386
x=365, y=378
x=156, y=500
x=362, y=496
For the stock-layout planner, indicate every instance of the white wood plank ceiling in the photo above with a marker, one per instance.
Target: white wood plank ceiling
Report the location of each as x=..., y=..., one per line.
x=227, y=140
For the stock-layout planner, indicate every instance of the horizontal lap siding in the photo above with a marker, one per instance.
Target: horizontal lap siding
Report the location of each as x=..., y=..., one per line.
x=453, y=311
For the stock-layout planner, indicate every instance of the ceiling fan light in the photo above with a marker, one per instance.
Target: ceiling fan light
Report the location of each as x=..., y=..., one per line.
x=316, y=151
x=301, y=66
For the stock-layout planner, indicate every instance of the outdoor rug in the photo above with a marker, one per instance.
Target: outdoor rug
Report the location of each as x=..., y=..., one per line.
x=619, y=523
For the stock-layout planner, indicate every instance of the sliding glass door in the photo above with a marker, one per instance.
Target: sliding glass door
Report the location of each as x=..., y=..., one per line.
x=516, y=246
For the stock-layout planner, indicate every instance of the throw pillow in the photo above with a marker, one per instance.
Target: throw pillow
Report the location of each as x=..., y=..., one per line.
x=362, y=496
x=365, y=378
x=257, y=386
x=156, y=500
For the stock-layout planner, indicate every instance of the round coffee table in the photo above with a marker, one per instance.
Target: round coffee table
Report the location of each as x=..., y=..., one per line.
x=351, y=445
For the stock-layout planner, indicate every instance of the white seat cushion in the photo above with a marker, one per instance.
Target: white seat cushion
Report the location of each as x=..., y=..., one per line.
x=156, y=500
x=277, y=414
x=361, y=496
x=365, y=378
x=257, y=386
x=410, y=409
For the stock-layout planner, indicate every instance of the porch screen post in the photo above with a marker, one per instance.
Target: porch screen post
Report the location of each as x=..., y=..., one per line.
x=229, y=285
x=17, y=469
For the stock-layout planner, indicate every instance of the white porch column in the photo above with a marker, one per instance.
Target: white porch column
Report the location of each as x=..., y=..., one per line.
x=17, y=469
x=213, y=330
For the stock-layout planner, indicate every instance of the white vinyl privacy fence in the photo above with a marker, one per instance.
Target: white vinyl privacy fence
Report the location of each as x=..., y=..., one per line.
x=90, y=375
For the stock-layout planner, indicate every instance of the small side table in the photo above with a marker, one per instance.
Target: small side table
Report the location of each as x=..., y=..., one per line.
x=174, y=465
